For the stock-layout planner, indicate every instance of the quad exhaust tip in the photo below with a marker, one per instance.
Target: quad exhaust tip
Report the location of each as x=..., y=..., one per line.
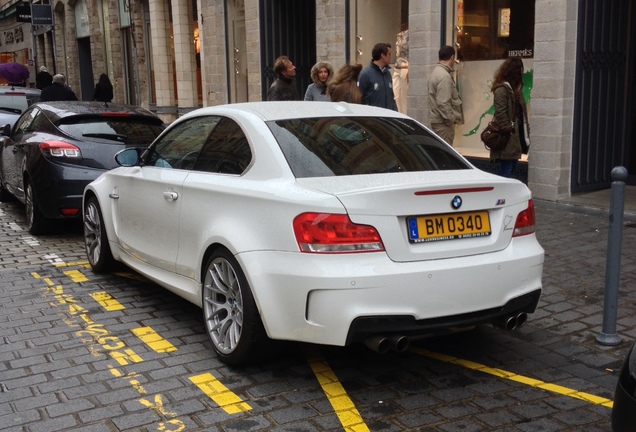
x=400, y=343
x=511, y=322
x=382, y=344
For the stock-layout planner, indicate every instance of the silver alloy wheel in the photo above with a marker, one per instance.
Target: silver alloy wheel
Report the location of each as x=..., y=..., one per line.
x=92, y=232
x=223, y=305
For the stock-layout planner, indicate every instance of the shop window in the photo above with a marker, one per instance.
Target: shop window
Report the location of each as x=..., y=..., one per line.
x=495, y=29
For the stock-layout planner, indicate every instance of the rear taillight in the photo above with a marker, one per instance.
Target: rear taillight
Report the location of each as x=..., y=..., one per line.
x=60, y=149
x=525, y=221
x=334, y=233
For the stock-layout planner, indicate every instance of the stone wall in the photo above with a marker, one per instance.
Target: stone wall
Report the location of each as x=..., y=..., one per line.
x=551, y=122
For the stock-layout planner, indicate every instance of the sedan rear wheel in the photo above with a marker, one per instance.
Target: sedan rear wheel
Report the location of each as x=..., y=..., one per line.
x=4, y=194
x=36, y=222
x=95, y=238
x=231, y=317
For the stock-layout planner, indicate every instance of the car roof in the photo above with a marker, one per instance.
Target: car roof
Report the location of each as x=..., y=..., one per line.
x=61, y=109
x=296, y=109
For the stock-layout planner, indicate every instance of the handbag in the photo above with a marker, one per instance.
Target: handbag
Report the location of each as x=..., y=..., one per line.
x=494, y=136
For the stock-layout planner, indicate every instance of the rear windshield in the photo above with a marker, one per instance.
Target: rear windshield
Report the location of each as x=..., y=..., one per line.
x=324, y=147
x=133, y=131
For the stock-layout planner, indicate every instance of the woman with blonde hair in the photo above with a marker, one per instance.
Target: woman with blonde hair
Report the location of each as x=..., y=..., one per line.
x=344, y=85
x=510, y=113
x=321, y=73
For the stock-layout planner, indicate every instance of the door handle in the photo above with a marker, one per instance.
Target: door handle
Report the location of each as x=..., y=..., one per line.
x=171, y=196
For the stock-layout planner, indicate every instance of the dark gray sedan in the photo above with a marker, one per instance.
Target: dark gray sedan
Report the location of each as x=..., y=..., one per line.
x=57, y=148
x=14, y=101
x=624, y=410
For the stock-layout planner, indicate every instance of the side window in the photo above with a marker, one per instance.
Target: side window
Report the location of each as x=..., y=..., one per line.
x=227, y=150
x=24, y=122
x=179, y=148
x=41, y=123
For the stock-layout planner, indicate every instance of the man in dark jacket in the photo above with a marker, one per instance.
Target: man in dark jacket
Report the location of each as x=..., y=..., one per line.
x=43, y=78
x=57, y=91
x=283, y=88
x=375, y=80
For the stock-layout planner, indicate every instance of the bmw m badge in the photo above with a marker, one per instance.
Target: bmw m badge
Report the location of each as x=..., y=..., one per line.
x=456, y=203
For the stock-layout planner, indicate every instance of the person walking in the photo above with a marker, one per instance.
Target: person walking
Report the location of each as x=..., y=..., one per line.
x=444, y=102
x=43, y=78
x=375, y=80
x=344, y=85
x=509, y=110
x=103, y=89
x=57, y=91
x=283, y=88
x=321, y=74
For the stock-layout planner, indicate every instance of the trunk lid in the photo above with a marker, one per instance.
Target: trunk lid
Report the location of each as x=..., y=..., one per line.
x=394, y=202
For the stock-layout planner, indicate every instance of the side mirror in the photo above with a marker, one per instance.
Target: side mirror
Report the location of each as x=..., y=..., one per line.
x=5, y=130
x=128, y=157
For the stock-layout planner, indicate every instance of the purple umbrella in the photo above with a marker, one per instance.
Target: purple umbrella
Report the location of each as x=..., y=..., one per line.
x=14, y=72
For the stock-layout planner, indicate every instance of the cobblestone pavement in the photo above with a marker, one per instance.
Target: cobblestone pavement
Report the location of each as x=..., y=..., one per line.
x=87, y=352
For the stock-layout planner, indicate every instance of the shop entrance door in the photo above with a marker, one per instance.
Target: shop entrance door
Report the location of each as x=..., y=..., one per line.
x=288, y=27
x=87, y=85
x=603, y=135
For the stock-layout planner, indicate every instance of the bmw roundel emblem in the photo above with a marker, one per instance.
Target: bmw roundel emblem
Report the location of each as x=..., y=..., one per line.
x=456, y=202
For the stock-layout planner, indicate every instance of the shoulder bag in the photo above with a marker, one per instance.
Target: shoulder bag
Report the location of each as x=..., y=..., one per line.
x=494, y=136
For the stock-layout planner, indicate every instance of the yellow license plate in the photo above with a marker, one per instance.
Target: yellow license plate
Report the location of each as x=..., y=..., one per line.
x=448, y=226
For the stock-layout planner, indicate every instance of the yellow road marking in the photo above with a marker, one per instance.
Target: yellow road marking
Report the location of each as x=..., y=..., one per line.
x=554, y=388
x=106, y=301
x=125, y=357
x=84, y=264
x=153, y=340
x=160, y=410
x=341, y=403
x=76, y=276
x=224, y=398
x=46, y=280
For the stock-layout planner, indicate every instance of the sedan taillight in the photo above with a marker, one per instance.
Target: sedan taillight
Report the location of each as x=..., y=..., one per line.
x=334, y=233
x=60, y=149
x=525, y=221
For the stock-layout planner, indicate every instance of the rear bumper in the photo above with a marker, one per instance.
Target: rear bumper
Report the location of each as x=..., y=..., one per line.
x=336, y=300
x=365, y=327
x=58, y=187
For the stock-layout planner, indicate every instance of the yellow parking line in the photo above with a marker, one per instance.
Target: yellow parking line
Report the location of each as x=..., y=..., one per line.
x=596, y=400
x=153, y=340
x=76, y=276
x=84, y=264
x=47, y=280
x=106, y=301
x=224, y=398
x=341, y=403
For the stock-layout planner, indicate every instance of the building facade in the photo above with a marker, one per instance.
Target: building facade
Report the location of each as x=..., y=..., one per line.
x=173, y=56
x=15, y=39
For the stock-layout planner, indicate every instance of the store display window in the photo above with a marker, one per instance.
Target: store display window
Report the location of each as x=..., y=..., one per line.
x=495, y=29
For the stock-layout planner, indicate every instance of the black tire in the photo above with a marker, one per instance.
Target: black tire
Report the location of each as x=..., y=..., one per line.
x=5, y=196
x=36, y=222
x=231, y=317
x=98, y=250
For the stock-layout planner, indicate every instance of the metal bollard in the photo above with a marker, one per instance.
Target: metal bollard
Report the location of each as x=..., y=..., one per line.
x=608, y=335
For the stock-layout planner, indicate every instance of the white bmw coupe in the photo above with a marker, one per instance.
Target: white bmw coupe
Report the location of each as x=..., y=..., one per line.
x=326, y=223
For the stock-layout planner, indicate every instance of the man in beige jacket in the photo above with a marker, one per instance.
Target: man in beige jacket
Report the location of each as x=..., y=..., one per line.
x=444, y=101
